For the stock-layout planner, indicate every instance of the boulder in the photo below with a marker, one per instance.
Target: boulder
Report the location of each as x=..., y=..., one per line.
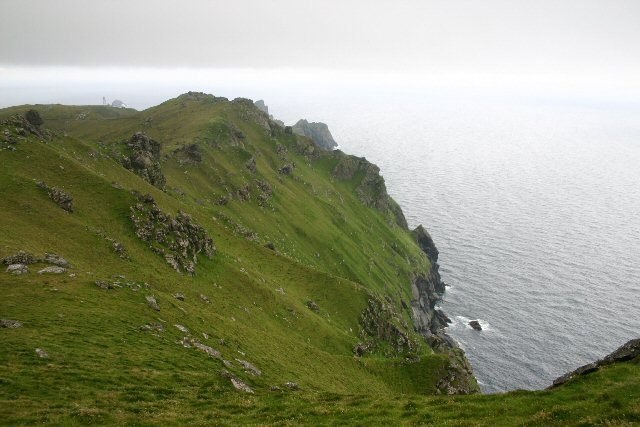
x=10, y=324
x=56, y=260
x=20, y=258
x=204, y=298
x=313, y=306
x=42, y=354
x=179, y=296
x=52, y=270
x=237, y=382
x=17, y=269
x=152, y=302
x=270, y=245
x=286, y=169
x=291, y=385
x=250, y=368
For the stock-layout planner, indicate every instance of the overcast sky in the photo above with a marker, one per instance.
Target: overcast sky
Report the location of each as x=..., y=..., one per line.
x=596, y=42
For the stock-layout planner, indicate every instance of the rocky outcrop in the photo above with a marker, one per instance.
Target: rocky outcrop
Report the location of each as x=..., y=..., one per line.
x=188, y=154
x=371, y=189
x=260, y=105
x=17, y=269
x=142, y=156
x=58, y=196
x=383, y=329
x=178, y=239
x=318, y=132
x=475, y=325
x=459, y=378
x=21, y=257
x=425, y=242
x=628, y=351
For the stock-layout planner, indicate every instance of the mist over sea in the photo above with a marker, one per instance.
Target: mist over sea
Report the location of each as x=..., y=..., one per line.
x=534, y=205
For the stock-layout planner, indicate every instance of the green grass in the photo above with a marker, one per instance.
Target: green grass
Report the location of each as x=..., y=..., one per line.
x=331, y=249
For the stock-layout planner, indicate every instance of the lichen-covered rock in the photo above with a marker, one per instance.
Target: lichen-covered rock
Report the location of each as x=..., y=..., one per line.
x=318, y=132
x=20, y=258
x=61, y=198
x=152, y=302
x=179, y=240
x=52, y=270
x=142, y=156
x=56, y=260
x=10, y=324
x=179, y=296
x=17, y=269
x=244, y=193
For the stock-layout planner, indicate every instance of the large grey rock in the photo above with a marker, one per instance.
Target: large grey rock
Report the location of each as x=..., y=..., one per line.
x=250, y=368
x=56, y=260
x=17, y=269
x=152, y=302
x=318, y=132
x=21, y=257
x=52, y=270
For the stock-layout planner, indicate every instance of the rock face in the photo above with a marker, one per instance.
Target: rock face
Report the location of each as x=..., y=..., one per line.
x=142, y=156
x=318, y=132
x=179, y=240
x=261, y=106
x=628, y=351
x=371, y=190
x=459, y=378
x=425, y=242
x=34, y=118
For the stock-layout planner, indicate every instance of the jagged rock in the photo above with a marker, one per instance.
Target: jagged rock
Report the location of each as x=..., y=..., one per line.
x=270, y=245
x=42, y=354
x=17, y=269
x=10, y=324
x=286, y=169
x=261, y=106
x=56, y=260
x=313, y=306
x=152, y=302
x=626, y=352
x=251, y=164
x=52, y=270
x=251, y=369
x=475, y=325
x=459, y=378
x=209, y=350
x=182, y=328
x=291, y=385
x=103, y=284
x=425, y=242
x=244, y=193
x=265, y=187
x=204, y=298
x=20, y=258
x=179, y=296
x=33, y=117
x=444, y=319
x=318, y=132
x=143, y=158
x=62, y=199
x=237, y=382
x=179, y=240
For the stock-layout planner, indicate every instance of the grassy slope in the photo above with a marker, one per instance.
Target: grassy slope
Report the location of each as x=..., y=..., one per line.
x=331, y=249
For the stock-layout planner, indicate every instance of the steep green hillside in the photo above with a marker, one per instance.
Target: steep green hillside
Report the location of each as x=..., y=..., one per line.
x=222, y=269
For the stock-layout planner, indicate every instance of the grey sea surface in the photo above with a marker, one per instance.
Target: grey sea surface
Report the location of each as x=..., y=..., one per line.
x=535, y=207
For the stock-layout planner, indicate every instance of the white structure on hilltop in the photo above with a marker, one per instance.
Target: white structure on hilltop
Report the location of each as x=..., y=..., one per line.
x=118, y=104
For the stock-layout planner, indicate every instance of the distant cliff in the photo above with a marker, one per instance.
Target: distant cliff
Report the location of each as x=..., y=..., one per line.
x=318, y=132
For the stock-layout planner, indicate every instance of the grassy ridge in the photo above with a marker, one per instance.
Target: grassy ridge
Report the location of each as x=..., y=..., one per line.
x=331, y=250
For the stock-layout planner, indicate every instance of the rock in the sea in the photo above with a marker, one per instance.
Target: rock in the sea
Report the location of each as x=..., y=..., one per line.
x=52, y=270
x=41, y=353
x=318, y=132
x=56, y=260
x=152, y=302
x=10, y=324
x=17, y=269
x=475, y=325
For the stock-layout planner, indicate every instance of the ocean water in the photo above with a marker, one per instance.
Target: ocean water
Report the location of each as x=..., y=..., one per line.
x=534, y=205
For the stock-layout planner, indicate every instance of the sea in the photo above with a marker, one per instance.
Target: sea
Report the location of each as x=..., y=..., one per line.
x=534, y=205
